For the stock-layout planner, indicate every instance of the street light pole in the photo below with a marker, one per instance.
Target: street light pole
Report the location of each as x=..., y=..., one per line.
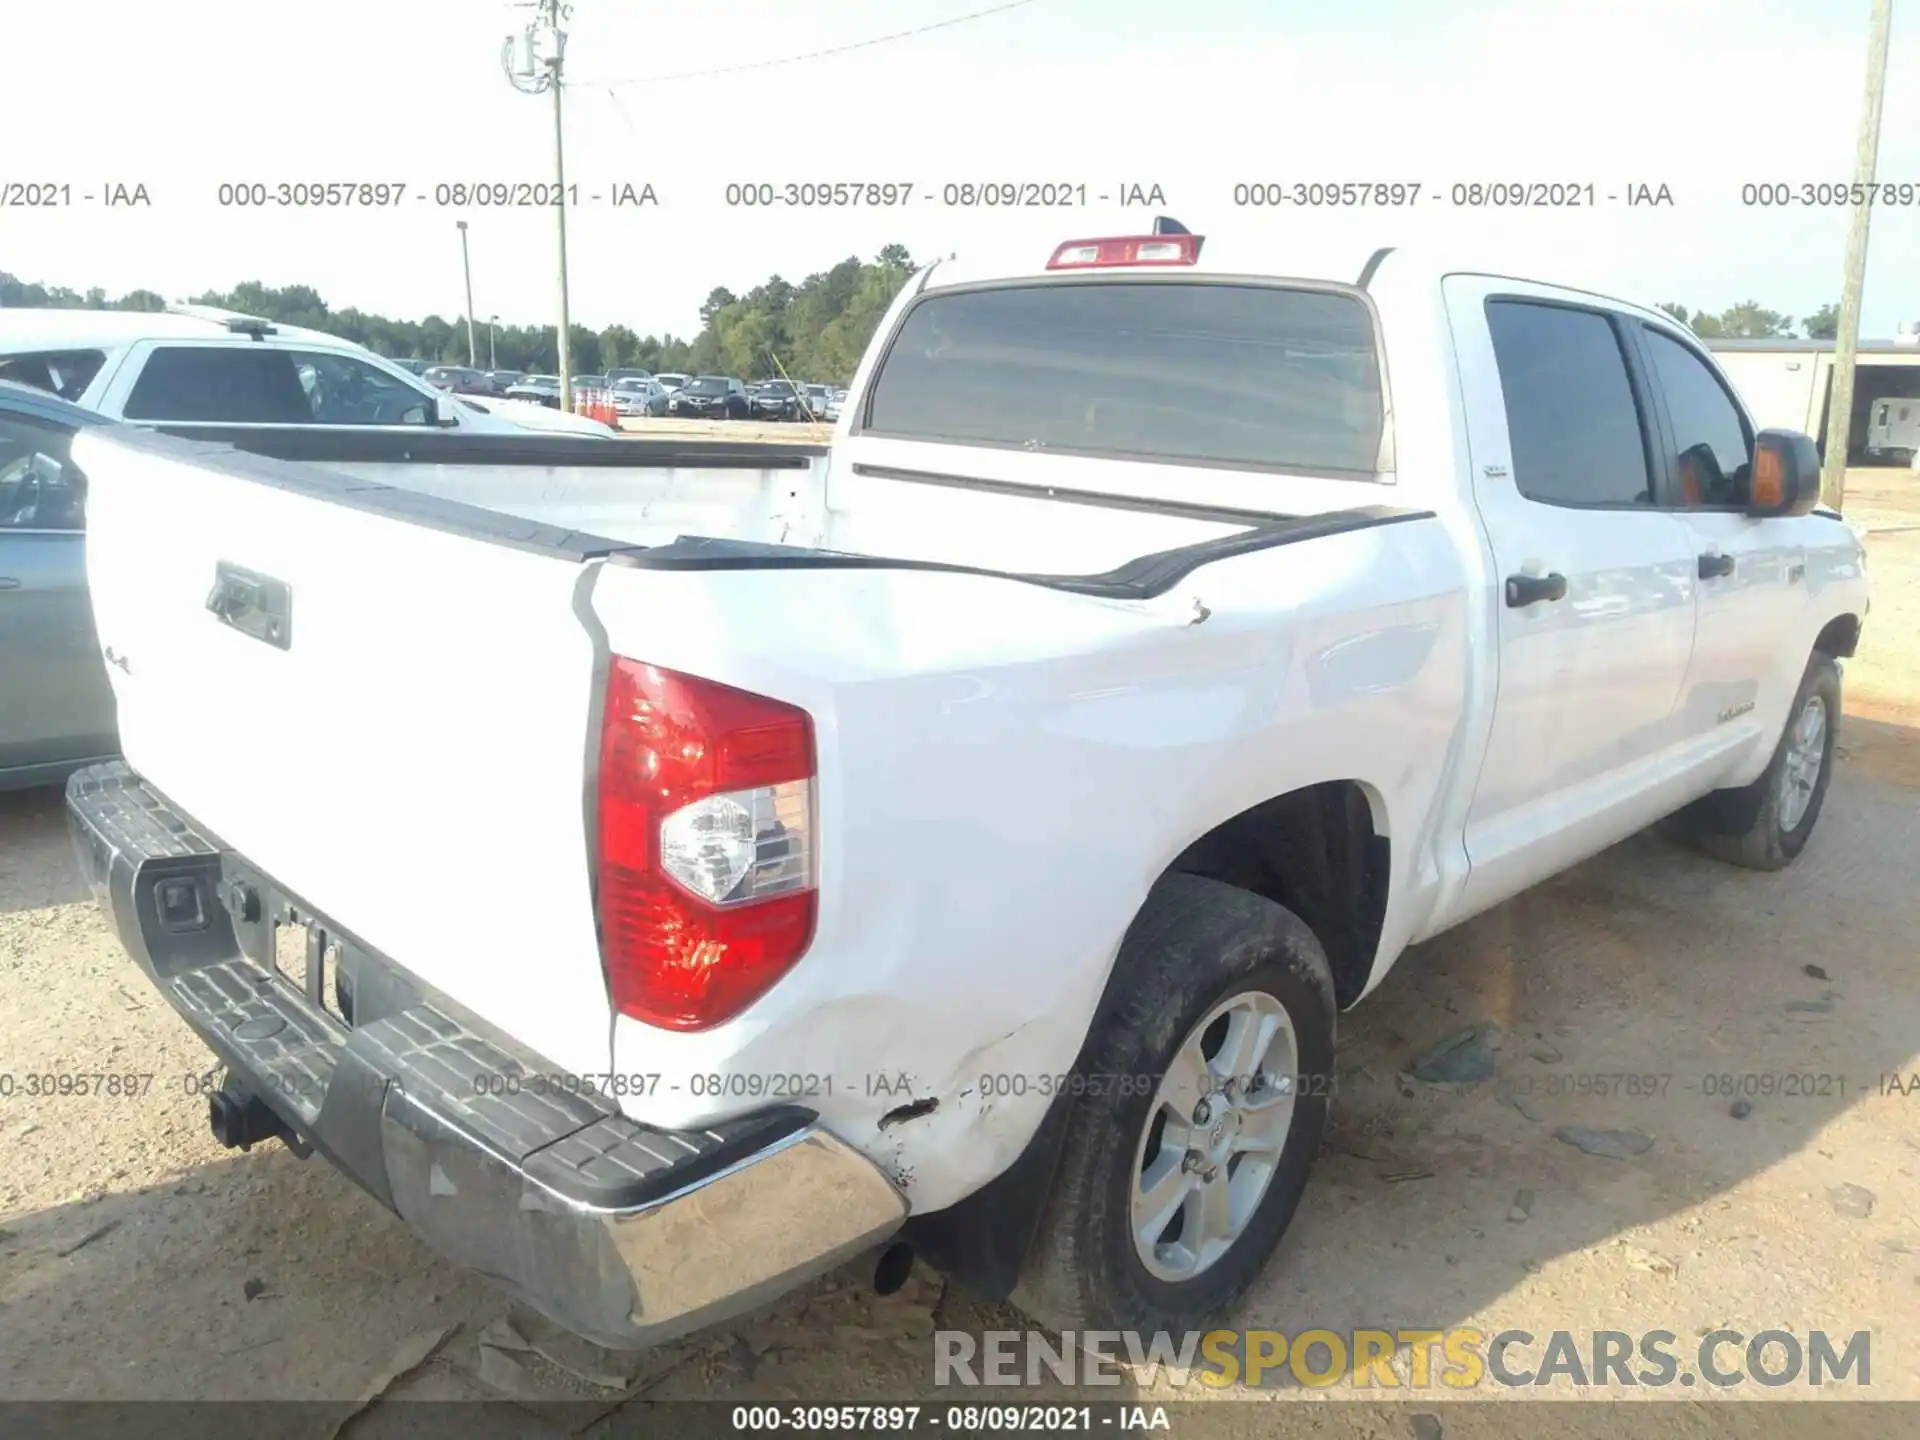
x=493, y=334
x=1846, y=347
x=473, y=357
x=560, y=210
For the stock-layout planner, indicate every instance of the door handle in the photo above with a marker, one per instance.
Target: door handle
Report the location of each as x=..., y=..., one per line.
x=1713, y=566
x=8, y=582
x=1524, y=590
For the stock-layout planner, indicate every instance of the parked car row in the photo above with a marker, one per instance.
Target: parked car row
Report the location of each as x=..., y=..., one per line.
x=727, y=398
x=640, y=394
x=464, y=380
x=634, y=393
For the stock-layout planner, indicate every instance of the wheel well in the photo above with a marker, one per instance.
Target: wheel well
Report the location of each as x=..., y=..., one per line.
x=1319, y=852
x=1841, y=636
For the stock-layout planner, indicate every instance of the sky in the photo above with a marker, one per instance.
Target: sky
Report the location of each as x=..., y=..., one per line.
x=1701, y=96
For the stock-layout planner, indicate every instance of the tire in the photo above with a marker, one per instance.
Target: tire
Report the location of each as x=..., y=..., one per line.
x=1196, y=946
x=1758, y=826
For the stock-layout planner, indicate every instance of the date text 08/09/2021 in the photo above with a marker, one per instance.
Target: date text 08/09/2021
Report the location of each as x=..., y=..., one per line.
x=952, y=1419
x=1267, y=193
x=48, y=1084
x=109, y=1085
x=894, y=1084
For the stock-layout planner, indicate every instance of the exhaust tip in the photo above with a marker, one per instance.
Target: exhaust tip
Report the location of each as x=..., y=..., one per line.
x=893, y=1267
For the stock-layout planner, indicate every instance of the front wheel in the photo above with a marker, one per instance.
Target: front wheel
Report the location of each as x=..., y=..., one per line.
x=1765, y=825
x=1209, y=1074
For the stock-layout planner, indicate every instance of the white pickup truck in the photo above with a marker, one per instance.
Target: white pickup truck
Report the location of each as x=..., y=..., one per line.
x=195, y=365
x=661, y=884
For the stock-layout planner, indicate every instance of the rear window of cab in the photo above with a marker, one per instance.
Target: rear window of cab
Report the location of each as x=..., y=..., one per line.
x=1195, y=372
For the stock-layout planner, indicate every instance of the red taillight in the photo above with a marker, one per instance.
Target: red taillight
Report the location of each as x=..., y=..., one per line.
x=1126, y=250
x=706, y=832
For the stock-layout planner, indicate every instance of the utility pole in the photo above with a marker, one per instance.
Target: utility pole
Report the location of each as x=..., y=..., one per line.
x=473, y=356
x=493, y=334
x=1846, y=347
x=533, y=60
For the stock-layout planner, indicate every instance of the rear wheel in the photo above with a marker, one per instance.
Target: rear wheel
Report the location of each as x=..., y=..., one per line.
x=1208, y=1080
x=1765, y=825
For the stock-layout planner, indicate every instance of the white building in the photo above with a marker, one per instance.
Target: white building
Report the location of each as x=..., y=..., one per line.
x=1788, y=383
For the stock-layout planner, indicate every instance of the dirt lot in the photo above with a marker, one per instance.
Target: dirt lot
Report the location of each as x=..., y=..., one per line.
x=137, y=1259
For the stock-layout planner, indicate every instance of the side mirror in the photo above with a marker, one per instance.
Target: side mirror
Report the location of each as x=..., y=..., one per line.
x=444, y=415
x=1786, y=474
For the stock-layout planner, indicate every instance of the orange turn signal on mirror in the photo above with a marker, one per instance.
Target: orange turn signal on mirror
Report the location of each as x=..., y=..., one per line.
x=1769, y=479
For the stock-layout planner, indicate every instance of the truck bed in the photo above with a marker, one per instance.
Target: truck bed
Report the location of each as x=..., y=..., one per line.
x=585, y=496
x=723, y=505
x=397, y=722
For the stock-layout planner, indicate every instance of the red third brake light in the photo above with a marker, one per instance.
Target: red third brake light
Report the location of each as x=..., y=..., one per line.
x=1126, y=250
x=706, y=831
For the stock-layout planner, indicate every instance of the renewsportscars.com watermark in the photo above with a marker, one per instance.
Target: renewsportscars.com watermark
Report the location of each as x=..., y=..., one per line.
x=1458, y=1359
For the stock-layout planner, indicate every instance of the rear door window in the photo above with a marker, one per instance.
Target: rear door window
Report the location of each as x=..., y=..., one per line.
x=1573, y=424
x=220, y=384
x=1234, y=375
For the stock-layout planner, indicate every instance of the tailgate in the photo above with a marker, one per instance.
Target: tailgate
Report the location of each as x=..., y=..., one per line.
x=393, y=719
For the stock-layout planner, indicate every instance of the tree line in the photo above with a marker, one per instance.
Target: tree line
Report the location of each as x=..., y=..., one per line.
x=1749, y=321
x=815, y=330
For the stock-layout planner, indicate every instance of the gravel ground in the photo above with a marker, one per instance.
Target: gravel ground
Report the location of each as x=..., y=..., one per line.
x=139, y=1260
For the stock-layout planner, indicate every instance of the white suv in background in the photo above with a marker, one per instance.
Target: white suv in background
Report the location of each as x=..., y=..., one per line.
x=199, y=366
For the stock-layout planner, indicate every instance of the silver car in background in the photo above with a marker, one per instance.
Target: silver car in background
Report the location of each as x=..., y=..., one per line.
x=537, y=390
x=56, y=708
x=646, y=397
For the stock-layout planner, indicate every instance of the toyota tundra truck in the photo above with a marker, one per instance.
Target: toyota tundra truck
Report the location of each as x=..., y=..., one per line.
x=661, y=885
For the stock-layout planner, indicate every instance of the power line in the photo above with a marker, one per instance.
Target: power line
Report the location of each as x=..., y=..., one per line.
x=811, y=54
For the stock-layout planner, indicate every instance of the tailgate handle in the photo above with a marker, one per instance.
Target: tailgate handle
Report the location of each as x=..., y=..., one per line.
x=254, y=604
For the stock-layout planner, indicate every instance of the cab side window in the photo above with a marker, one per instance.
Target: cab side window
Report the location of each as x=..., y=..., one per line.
x=1713, y=449
x=40, y=486
x=344, y=391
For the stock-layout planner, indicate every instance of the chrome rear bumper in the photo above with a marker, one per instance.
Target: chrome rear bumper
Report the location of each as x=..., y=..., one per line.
x=626, y=1234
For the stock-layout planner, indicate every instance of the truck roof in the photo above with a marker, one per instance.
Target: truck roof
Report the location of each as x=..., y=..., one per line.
x=1324, y=262
x=1220, y=254
x=108, y=328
